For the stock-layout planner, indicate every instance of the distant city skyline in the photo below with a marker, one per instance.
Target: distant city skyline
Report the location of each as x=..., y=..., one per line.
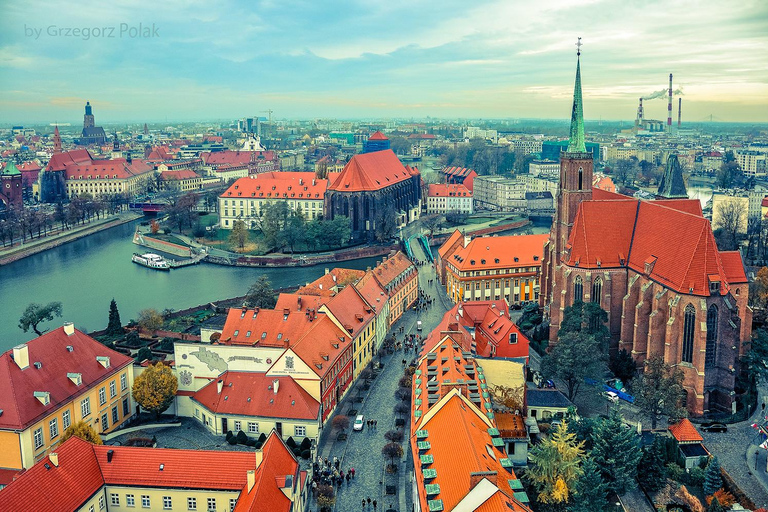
x=184, y=60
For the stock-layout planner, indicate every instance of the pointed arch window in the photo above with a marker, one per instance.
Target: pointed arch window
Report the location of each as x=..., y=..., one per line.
x=689, y=325
x=578, y=289
x=581, y=178
x=710, y=358
x=597, y=290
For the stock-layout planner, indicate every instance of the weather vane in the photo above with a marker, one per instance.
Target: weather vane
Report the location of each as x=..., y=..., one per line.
x=578, y=47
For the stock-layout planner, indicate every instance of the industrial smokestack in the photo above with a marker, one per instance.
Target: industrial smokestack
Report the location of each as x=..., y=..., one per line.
x=679, y=111
x=669, y=105
x=639, y=121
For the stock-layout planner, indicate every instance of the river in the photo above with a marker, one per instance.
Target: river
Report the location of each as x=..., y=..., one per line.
x=86, y=274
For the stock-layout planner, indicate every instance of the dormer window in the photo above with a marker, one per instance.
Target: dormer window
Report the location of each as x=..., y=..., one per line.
x=714, y=286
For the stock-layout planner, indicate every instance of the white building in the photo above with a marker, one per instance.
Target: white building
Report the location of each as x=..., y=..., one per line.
x=446, y=198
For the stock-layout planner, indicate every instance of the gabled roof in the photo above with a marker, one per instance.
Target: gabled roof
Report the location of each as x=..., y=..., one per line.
x=455, y=238
x=350, y=310
x=494, y=252
x=373, y=293
x=271, y=475
x=328, y=284
x=448, y=190
x=684, y=432
x=377, y=135
x=278, y=185
x=253, y=394
x=181, y=174
x=371, y=171
x=17, y=387
x=389, y=269
x=59, y=161
x=546, y=398
x=106, y=169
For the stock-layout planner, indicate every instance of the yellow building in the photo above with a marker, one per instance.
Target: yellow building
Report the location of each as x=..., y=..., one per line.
x=400, y=280
x=498, y=267
x=182, y=180
x=53, y=381
x=106, y=177
x=81, y=477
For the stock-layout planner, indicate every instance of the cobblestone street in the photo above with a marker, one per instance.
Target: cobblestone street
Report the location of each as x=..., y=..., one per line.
x=362, y=450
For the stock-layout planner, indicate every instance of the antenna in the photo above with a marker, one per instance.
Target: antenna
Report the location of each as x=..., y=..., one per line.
x=579, y=44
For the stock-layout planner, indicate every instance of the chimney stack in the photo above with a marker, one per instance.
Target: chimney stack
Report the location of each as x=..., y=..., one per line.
x=467, y=239
x=478, y=476
x=669, y=106
x=54, y=458
x=110, y=454
x=275, y=385
x=69, y=328
x=259, y=457
x=251, y=475
x=219, y=386
x=21, y=356
x=679, y=111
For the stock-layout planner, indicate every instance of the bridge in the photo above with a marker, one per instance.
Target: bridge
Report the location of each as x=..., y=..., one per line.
x=148, y=207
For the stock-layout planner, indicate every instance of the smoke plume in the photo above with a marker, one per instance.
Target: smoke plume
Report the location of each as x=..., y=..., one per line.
x=663, y=94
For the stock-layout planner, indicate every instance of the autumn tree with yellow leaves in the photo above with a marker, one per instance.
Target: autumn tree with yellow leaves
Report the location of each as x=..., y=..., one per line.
x=155, y=388
x=82, y=430
x=556, y=465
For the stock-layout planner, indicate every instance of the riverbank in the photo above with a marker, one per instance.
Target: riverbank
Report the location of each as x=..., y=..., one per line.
x=24, y=250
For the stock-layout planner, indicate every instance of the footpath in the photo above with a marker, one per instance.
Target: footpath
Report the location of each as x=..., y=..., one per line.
x=22, y=250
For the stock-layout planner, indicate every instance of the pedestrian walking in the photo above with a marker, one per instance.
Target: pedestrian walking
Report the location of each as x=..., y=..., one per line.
x=363, y=503
x=352, y=470
x=368, y=500
x=374, y=505
x=348, y=477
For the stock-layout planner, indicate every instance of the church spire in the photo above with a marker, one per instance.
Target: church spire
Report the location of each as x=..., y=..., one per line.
x=576, y=143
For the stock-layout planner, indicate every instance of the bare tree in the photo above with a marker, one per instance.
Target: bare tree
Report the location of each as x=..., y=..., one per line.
x=729, y=220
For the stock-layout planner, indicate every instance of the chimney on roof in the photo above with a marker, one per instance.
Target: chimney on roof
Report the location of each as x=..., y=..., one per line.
x=478, y=476
x=69, y=328
x=251, y=474
x=327, y=270
x=21, y=356
x=334, y=277
x=219, y=386
x=110, y=454
x=467, y=239
x=275, y=385
x=54, y=458
x=259, y=457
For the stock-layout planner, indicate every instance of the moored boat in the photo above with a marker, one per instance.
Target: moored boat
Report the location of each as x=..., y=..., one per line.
x=151, y=260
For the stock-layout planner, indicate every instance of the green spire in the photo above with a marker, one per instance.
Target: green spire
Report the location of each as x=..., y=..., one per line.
x=10, y=170
x=576, y=144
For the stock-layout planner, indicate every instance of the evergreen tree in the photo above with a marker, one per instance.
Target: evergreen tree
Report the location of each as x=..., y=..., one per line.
x=590, y=491
x=715, y=506
x=114, y=326
x=712, y=478
x=652, y=471
x=616, y=452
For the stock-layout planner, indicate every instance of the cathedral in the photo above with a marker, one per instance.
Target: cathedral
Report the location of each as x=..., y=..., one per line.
x=654, y=267
x=91, y=134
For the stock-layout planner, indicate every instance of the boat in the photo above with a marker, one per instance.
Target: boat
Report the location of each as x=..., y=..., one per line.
x=150, y=260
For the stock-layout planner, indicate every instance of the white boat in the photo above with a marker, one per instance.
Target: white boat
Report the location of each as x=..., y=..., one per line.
x=151, y=260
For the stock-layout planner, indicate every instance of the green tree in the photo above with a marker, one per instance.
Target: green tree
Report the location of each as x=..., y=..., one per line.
x=294, y=231
x=155, y=388
x=555, y=465
x=82, y=430
x=238, y=237
x=587, y=317
x=755, y=359
x=150, y=319
x=623, y=366
x=659, y=390
x=652, y=470
x=715, y=506
x=114, y=326
x=713, y=480
x=590, y=491
x=575, y=357
x=616, y=452
x=261, y=294
x=37, y=313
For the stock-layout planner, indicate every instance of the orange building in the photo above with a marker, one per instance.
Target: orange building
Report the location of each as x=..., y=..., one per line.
x=493, y=268
x=400, y=280
x=53, y=381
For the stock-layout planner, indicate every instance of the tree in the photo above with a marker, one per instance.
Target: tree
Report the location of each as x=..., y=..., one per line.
x=114, y=326
x=651, y=470
x=150, y=319
x=659, y=390
x=575, y=357
x=729, y=220
x=294, y=231
x=586, y=317
x=623, y=366
x=689, y=500
x=755, y=359
x=510, y=398
x=555, y=465
x=590, y=491
x=394, y=436
x=154, y=227
x=616, y=452
x=758, y=289
x=715, y=506
x=238, y=237
x=325, y=496
x=385, y=222
x=340, y=423
x=392, y=451
x=37, y=313
x=82, y=430
x=432, y=222
x=713, y=480
x=261, y=294
x=155, y=388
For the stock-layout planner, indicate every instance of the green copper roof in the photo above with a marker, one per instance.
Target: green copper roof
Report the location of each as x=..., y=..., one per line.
x=576, y=144
x=10, y=170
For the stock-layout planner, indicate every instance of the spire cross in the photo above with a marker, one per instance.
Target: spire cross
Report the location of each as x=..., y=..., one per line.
x=578, y=47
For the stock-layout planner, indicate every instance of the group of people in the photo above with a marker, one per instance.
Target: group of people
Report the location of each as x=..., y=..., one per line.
x=372, y=424
x=423, y=302
x=329, y=472
x=367, y=502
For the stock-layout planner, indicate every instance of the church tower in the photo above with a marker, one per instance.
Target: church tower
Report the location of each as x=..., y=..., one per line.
x=116, y=153
x=56, y=141
x=88, y=117
x=576, y=166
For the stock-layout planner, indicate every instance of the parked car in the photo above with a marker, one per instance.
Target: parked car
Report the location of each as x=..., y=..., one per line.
x=714, y=427
x=358, y=423
x=610, y=395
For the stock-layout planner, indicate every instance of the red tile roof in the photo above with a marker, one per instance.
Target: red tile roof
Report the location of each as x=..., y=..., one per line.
x=685, y=432
x=17, y=387
x=482, y=253
x=448, y=190
x=271, y=475
x=733, y=266
x=329, y=283
x=371, y=171
x=391, y=268
x=378, y=136
x=181, y=174
x=372, y=291
x=351, y=310
x=60, y=161
x=252, y=394
x=106, y=169
x=279, y=185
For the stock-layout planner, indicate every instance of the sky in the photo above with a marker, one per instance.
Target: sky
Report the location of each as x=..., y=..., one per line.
x=183, y=60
